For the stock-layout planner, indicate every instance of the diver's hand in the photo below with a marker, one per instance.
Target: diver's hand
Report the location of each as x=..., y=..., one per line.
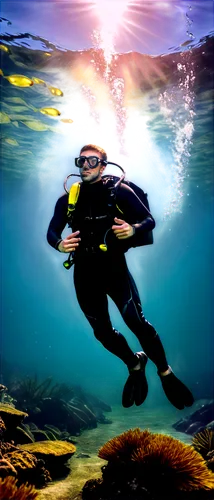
x=123, y=230
x=70, y=243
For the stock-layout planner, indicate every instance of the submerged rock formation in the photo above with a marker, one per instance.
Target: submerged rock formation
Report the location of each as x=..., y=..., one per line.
x=198, y=420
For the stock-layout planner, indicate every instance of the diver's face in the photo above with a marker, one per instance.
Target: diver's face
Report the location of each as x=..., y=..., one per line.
x=91, y=175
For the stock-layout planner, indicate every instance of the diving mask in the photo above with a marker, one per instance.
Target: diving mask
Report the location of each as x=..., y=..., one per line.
x=93, y=161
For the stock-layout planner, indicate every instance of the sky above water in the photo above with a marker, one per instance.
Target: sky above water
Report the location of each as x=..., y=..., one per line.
x=73, y=25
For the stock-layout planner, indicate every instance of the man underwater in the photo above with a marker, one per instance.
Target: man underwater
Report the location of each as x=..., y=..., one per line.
x=100, y=273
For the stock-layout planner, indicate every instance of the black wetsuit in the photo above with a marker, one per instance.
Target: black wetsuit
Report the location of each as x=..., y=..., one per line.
x=98, y=274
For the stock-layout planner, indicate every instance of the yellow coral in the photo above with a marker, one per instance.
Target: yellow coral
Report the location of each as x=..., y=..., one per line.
x=54, y=448
x=10, y=491
x=21, y=460
x=11, y=416
x=6, y=468
x=5, y=408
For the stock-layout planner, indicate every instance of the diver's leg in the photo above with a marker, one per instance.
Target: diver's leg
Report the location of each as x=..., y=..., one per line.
x=127, y=299
x=123, y=291
x=94, y=304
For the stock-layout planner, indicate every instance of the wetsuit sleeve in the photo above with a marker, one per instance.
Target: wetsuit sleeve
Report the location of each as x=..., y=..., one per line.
x=58, y=222
x=134, y=211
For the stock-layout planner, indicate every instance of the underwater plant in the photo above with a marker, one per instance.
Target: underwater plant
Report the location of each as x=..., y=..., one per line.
x=29, y=392
x=136, y=457
x=10, y=490
x=203, y=442
x=33, y=433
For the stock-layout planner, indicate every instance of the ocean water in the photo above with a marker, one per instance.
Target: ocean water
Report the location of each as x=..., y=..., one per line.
x=153, y=113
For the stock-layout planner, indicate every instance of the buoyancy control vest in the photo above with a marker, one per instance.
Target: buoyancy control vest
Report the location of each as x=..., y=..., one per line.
x=111, y=182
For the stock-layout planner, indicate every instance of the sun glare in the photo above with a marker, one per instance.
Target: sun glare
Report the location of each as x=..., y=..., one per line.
x=111, y=13
x=110, y=16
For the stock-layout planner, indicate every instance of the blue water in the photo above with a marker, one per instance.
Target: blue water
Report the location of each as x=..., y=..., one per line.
x=43, y=329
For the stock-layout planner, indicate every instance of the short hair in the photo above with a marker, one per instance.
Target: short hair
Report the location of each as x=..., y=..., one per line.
x=95, y=148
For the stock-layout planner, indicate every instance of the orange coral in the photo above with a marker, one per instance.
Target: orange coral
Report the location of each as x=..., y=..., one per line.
x=22, y=460
x=174, y=464
x=6, y=468
x=123, y=446
x=2, y=427
x=179, y=461
x=10, y=490
x=28, y=468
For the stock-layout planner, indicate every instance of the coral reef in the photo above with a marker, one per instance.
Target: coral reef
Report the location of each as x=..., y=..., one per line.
x=22, y=464
x=10, y=491
x=145, y=465
x=198, y=420
x=50, y=449
x=36, y=463
x=2, y=427
x=37, y=439
x=28, y=468
x=11, y=416
x=6, y=468
x=54, y=454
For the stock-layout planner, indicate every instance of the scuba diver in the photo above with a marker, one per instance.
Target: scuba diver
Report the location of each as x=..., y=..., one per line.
x=106, y=221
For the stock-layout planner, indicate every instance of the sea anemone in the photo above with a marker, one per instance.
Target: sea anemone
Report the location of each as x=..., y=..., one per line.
x=10, y=490
x=123, y=446
x=144, y=455
x=178, y=464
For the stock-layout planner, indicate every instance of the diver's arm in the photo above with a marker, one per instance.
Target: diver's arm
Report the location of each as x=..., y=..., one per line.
x=58, y=222
x=138, y=215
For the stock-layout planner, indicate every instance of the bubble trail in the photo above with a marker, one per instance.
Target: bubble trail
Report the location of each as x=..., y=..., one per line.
x=181, y=124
